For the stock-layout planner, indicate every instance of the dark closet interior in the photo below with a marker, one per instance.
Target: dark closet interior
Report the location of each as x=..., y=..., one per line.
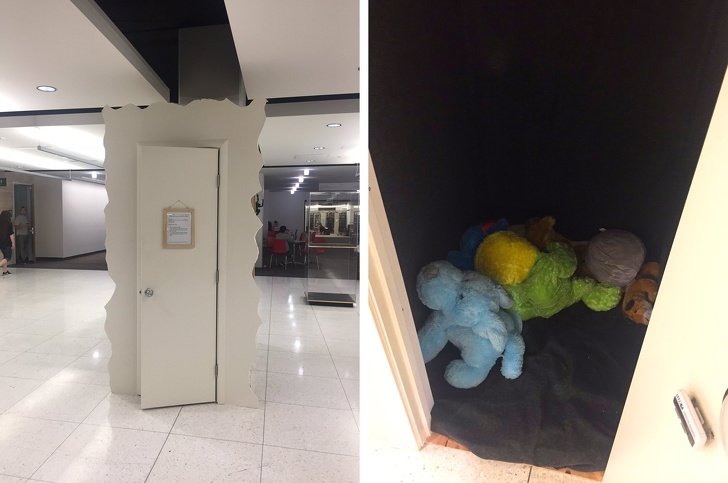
x=592, y=112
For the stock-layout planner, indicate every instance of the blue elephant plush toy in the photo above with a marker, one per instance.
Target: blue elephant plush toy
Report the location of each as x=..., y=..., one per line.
x=471, y=311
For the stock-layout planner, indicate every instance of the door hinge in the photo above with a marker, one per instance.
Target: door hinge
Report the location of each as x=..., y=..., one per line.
x=218, y=180
x=216, y=369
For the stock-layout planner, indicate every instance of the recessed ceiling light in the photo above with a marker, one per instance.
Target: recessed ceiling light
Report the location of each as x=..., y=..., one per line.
x=46, y=88
x=319, y=148
x=305, y=171
x=293, y=191
x=334, y=124
x=300, y=179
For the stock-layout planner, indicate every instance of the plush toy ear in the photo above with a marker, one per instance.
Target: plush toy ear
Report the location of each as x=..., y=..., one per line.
x=438, y=283
x=504, y=298
x=496, y=295
x=493, y=329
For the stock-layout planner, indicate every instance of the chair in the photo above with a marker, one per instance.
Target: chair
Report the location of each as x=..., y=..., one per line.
x=279, y=248
x=271, y=239
x=319, y=251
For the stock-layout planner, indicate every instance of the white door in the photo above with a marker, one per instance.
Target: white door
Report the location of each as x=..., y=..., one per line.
x=177, y=286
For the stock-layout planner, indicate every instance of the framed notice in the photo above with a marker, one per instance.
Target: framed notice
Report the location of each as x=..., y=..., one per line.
x=179, y=228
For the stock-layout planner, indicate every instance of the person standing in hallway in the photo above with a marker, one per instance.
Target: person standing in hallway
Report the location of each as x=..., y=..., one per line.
x=22, y=225
x=7, y=240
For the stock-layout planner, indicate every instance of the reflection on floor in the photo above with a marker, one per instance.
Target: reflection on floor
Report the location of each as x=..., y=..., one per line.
x=58, y=421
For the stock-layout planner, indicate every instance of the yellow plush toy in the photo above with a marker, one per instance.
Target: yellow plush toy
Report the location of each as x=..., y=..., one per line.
x=505, y=257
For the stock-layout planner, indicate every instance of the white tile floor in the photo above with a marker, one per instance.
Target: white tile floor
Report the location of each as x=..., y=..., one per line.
x=59, y=422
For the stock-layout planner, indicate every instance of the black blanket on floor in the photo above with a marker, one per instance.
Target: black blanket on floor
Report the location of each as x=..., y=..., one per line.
x=564, y=409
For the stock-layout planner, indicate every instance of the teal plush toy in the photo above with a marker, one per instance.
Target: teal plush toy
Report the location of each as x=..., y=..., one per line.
x=471, y=311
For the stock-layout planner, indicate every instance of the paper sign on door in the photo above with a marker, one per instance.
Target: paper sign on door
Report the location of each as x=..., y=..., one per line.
x=179, y=228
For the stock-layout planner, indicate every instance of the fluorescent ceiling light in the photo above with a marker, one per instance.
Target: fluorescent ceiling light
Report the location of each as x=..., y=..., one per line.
x=306, y=172
x=46, y=88
x=300, y=179
x=334, y=124
x=68, y=157
x=319, y=148
x=293, y=191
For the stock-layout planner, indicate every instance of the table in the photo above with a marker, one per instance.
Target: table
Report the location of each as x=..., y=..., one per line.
x=297, y=245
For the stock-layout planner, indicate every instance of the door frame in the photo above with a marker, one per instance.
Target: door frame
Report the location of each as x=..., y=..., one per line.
x=222, y=250
x=31, y=215
x=393, y=319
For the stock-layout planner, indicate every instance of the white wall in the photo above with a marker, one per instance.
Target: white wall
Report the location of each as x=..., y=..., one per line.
x=285, y=207
x=84, y=230
x=68, y=216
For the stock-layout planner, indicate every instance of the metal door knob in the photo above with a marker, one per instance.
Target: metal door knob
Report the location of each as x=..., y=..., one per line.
x=149, y=292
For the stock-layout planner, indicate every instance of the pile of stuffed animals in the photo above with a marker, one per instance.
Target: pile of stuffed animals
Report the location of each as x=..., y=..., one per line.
x=504, y=274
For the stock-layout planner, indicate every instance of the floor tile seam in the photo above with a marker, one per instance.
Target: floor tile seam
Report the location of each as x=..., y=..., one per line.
x=22, y=378
x=38, y=418
x=16, y=355
x=59, y=370
x=341, y=383
x=295, y=335
x=349, y=378
x=63, y=383
x=294, y=352
x=310, y=451
x=54, y=451
x=32, y=333
x=75, y=383
x=87, y=414
x=42, y=380
x=30, y=351
x=36, y=345
x=85, y=356
x=161, y=448
x=348, y=409
x=302, y=375
x=286, y=313
x=85, y=423
x=211, y=438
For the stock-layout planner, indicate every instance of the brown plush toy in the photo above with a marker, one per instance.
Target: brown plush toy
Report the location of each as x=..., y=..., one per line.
x=639, y=296
x=540, y=232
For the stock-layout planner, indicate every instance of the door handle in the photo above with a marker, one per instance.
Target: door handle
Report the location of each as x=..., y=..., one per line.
x=149, y=292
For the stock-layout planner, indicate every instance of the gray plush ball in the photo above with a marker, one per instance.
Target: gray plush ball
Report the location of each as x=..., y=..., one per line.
x=615, y=256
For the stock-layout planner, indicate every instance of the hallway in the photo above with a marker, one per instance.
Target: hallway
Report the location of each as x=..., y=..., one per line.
x=59, y=422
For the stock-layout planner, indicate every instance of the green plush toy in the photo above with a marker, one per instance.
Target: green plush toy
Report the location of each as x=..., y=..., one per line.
x=550, y=286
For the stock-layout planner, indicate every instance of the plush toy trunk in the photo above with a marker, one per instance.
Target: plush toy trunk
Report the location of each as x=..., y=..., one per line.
x=593, y=112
